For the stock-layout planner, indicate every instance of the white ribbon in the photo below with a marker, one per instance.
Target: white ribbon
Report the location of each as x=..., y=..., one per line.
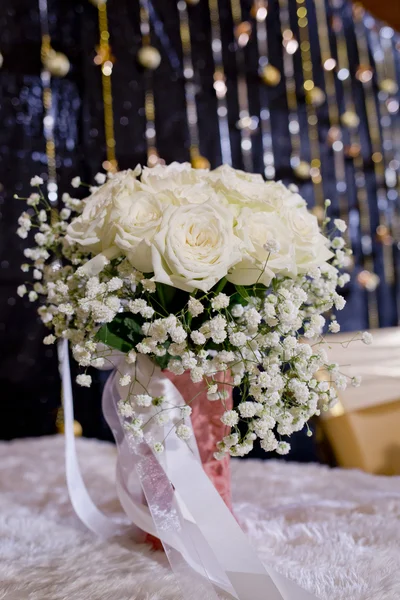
x=203, y=542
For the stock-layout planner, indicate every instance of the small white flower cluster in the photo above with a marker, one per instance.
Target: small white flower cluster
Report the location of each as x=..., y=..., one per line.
x=266, y=338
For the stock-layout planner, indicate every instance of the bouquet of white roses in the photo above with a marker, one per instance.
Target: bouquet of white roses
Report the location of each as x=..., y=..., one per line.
x=202, y=271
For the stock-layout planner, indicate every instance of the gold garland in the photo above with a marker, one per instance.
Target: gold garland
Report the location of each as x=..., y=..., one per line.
x=350, y=121
x=314, y=97
x=105, y=60
x=56, y=64
x=197, y=160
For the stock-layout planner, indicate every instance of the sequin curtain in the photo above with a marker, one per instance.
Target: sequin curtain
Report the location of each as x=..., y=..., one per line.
x=28, y=371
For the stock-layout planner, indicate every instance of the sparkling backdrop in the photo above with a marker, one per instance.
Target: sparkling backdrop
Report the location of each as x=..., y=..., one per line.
x=243, y=115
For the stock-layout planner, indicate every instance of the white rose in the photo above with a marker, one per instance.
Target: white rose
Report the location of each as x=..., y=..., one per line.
x=93, y=229
x=137, y=218
x=180, y=183
x=311, y=246
x=176, y=175
x=257, y=229
x=195, y=246
x=248, y=189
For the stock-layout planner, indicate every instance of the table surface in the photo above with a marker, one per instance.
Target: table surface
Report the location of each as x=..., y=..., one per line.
x=336, y=532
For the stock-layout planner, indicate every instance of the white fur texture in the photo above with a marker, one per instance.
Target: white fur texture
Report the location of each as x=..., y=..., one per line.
x=335, y=532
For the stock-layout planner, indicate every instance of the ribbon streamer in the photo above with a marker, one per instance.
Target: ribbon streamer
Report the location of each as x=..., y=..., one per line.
x=204, y=544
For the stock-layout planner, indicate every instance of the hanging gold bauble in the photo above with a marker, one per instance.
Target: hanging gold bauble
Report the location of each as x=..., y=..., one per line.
x=334, y=134
x=60, y=425
x=364, y=73
x=243, y=33
x=315, y=96
x=302, y=170
x=149, y=57
x=57, y=63
x=389, y=86
x=353, y=150
x=383, y=235
x=368, y=280
x=350, y=119
x=259, y=10
x=200, y=162
x=271, y=75
x=77, y=429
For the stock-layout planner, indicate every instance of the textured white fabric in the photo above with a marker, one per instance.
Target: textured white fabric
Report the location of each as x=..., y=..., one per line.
x=337, y=533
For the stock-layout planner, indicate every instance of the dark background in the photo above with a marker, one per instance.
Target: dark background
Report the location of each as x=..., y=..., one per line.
x=29, y=384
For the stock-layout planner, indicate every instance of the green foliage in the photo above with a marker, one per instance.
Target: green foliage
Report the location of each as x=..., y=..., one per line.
x=123, y=333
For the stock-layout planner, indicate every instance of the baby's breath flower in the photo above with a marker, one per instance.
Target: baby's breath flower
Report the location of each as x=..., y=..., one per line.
x=186, y=411
x=340, y=225
x=125, y=380
x=184, y=432
x=148, y=285
x=36, y=181
x=114, y=284
x=272, y=246
x=49, y=339
x=21, y=290
x=230, y=418
x=131, y=357
x=220, y=301
x=76, y=182
x=33, y=200
x=84, y=380
x=158, y=448
x=334, y=327
x=100, y=178
x=367, y=338
x=237, y=311
x=195, y=307
x=198, y=338
x=143, y=400
x=283, y=448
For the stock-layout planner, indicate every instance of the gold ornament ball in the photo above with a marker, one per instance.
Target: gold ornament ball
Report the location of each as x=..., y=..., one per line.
x=302, y=170
x=353, y=150
x=149, y=57
x=316, y=96
x=364, y=73
x=57, y=63
x=271, y=75
x=334, y=134
x=77, y=428
x=350, y=119
x=200, y=162
x=383, y=235
x=368, y=280
x=389, y=86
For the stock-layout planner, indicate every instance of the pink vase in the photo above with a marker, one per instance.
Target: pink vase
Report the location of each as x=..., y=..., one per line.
x=207, y=426
x=208, y=429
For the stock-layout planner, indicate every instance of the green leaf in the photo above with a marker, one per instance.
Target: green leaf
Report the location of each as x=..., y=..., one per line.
x=242, y=291
x=111, y=339
x=220, y=286
x=162, y=361
x=166, y=294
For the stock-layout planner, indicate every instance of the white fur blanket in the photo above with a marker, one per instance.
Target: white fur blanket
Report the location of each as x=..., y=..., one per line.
x=335, y=532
